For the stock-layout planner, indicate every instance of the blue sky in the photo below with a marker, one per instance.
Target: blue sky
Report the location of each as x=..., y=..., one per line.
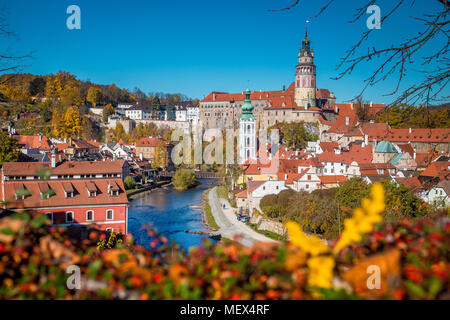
x=196, y=46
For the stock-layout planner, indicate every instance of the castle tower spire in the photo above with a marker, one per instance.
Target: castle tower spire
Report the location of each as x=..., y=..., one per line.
x=305, y=75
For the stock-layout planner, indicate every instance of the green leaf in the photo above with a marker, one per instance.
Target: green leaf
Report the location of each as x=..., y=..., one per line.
x=39, y=221
x=7, y=231
x=435, y=285
x=415, y=289
x=94, y=268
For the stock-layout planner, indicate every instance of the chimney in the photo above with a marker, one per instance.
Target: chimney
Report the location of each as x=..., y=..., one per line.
x=351, y=105
x=366, y=139
x=53, y=156
x=371, y=103
x=40, y=138
x=415, y=153
x=410, y=130
x=336, y=109
x=214, y=97
x=347, y=121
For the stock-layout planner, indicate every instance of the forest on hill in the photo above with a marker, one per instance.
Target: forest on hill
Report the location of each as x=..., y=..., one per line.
x=57, y=105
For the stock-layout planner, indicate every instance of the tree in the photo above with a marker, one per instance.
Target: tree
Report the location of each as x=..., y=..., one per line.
x=94, y=96
x=67, y=125
x=350, y=193
x=70, y=95
x=294, y=135
x=8, y=148
x=156, y=106
x=107, y=111
x=129, y=182
x=184, y=179
x=139, y=94
x=400, y=201
x=161, y=159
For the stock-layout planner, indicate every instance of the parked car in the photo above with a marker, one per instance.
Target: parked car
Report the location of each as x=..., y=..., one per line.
x=243, y=218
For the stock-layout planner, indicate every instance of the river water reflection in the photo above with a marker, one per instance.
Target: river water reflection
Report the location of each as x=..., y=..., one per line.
x=168, y=211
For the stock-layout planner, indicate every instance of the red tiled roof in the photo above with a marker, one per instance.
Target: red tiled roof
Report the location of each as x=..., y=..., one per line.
x=148, y=142
x=81, y=144
x=332, y=179
x=65, y=168
x=407, y=148
x=412, y=183
x=409, y=135
x=340, y=126
x=242, y=194
x=328, y=146
x=436, y=169
x=323, y=94
x=252, y=185
x=58, y=199
x=39, y=142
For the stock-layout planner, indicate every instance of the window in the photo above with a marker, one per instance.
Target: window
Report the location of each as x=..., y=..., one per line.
x=109, y=214
x=110, y=229
x=69, y=216
x=307, y=186
x=89, y=215
x=49, y=216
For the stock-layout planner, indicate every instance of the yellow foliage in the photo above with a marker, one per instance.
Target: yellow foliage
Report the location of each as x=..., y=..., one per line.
x=321, y=261
x=363, y=218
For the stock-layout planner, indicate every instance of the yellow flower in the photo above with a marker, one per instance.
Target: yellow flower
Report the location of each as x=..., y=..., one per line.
x=320, y=272
x=311, y=244
x=363, y=218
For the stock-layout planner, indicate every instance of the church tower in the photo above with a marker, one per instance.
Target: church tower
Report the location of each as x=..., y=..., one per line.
x=305, y=76
x=247, y=131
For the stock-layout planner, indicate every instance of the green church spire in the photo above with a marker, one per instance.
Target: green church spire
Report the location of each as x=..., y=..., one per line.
x=247, y=107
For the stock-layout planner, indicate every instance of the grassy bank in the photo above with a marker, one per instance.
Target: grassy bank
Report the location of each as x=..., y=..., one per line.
x=268, y=234
x=207, y=213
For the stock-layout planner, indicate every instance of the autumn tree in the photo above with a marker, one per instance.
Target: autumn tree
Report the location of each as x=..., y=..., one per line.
x=68, y=125
x=15, y=93
x=9, y=149
x=161, y=159
x=70, y=95
x=107, y=111
x=94, y=96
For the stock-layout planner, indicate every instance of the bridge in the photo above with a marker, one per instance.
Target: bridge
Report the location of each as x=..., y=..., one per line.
x=198, y=174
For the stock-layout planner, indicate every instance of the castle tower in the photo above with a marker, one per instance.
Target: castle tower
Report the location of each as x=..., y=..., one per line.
x=247, y=131
x=305, y=76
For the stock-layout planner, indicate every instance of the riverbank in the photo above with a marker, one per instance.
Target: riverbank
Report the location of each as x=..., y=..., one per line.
x=208, y=218
x=161, y=184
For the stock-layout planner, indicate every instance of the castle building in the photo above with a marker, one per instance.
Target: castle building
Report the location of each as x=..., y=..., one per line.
x=300, y=101
x=247, y=131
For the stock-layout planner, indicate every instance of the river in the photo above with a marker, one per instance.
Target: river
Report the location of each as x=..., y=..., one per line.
x=168, y=212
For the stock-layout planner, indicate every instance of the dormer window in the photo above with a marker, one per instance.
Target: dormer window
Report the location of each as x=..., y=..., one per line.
x=21, y=192
x=113, y=189
x=45, y=190
x=91, y=189
x=68, y=190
